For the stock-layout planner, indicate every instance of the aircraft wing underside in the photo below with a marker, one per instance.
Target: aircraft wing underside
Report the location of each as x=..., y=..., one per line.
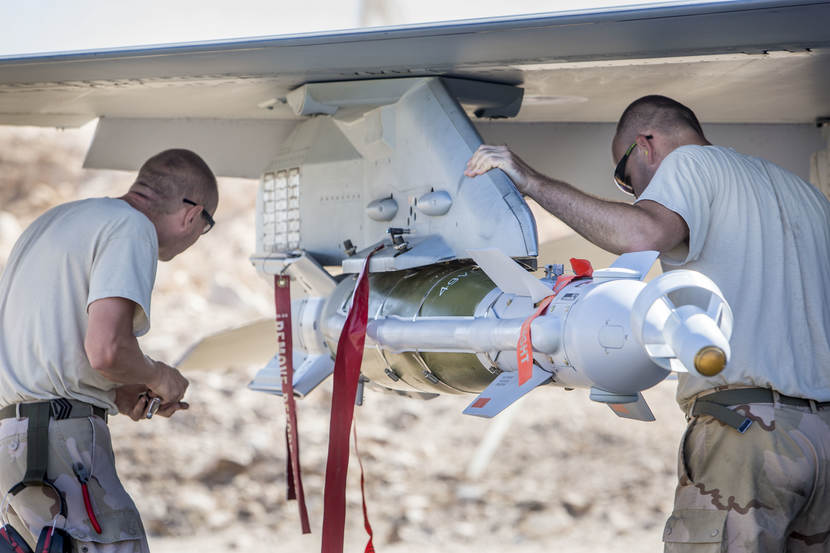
x=577, y=67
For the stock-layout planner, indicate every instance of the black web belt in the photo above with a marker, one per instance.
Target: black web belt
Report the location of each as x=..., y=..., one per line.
x=717, y=404
x=37, y=436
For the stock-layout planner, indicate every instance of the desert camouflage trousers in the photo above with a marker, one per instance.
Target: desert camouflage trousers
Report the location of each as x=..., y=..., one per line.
x=84, y=440
x=762, y=491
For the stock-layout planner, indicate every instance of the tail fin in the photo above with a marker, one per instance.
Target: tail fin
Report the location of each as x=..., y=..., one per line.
x=627, y=406
x=504, y=391
x=310, y=371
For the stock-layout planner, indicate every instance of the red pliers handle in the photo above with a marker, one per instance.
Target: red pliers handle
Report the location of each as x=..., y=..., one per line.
x=83, y=477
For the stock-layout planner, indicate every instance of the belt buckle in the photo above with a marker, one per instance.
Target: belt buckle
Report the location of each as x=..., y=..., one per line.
x=60, y=408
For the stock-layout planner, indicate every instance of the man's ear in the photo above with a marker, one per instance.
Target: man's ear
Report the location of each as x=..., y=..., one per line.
x=191, y=213
x=645, y=148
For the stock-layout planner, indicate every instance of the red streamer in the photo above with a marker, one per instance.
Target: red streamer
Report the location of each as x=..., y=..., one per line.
x=370, y=547
x=293, y=476
x=346, y=375
x=524, y=349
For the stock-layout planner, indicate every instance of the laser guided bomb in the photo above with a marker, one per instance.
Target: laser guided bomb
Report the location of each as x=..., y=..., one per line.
x=449, y=288
x=454, y=328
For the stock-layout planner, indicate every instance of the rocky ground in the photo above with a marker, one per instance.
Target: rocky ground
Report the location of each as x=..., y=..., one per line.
x=567, y=474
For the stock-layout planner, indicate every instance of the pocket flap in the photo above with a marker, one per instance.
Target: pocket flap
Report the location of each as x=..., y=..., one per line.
x=695, y=526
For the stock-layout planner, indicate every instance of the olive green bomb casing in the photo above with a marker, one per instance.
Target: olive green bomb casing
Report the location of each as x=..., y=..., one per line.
x=449, y=290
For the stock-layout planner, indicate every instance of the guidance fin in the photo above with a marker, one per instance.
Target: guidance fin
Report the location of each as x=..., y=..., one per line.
x=639, y=262
x=508, y=275
x=627, y=406
x=310, y=372
x=504, y=391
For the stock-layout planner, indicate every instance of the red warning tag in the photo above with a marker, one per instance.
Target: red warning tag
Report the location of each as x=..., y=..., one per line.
x=293, y=476
x=346, y=375
x=524, y=349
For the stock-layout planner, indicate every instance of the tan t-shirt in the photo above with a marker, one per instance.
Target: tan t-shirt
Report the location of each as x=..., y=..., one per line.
x=69, y=257
x=763, y=236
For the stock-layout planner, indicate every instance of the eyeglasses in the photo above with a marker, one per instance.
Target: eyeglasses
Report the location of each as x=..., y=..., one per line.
x=209, y=222
x=619, y=173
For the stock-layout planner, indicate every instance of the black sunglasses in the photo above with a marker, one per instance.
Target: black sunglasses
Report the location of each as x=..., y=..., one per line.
x=209, y=222
x=619, y=173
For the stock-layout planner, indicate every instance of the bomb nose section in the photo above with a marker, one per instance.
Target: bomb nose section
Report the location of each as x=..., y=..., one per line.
x=710, y=361
x=684, y=337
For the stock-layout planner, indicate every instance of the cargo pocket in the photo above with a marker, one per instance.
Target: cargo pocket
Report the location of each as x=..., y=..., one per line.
x=695, y=531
